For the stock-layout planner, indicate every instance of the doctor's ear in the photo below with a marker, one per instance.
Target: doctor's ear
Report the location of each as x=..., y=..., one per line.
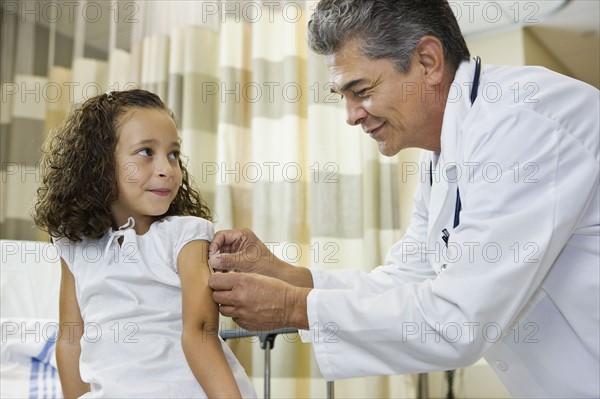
x=430, y=53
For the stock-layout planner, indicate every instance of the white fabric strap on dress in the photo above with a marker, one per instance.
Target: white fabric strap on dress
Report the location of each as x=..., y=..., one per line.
x=119, y=233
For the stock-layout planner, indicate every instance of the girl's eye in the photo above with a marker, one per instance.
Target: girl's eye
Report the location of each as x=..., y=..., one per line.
x=145, y=152
x=174, y=155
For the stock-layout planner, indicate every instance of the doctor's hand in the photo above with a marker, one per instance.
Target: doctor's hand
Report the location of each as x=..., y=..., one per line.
x=240, y=250
x=259, y=303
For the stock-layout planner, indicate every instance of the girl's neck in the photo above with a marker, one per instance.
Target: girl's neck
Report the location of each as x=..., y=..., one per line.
x=142, y=223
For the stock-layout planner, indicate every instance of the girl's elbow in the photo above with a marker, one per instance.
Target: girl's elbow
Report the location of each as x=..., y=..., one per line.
x=199, y=333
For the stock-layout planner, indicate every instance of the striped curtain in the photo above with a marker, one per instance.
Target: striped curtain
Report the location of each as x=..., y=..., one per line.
x=44, y=71
x=22, y=117
x=264, y=138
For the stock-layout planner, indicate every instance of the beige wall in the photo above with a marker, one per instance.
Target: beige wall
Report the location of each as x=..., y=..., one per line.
x=536, y=54
x=515, y=47
x=504, y=48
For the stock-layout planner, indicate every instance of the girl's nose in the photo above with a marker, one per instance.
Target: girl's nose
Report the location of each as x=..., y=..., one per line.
x=164, y=168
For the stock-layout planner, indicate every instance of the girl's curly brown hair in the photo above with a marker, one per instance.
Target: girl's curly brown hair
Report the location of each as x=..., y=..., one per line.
x=79, y=180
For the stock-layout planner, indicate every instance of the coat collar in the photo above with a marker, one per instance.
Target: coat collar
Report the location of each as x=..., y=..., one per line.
x=458, y=105
x=443, y=192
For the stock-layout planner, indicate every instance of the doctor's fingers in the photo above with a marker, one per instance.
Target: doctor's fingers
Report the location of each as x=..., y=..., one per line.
x=232, y=301
x=223, y=241
x=242, y=290
x=225, y=298
x=228, y=262
x=240, y=317
x=254, y=302
x=235, y=289
x=223, y=281
x=251, y=259
x=229, y=241
x=228, y=311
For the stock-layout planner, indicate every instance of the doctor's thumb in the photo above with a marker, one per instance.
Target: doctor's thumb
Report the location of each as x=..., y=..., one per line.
x=226, y=262
x=214, y=248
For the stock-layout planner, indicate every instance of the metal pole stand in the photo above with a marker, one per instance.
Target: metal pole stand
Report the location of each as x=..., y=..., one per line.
x=422, y=386
x=330, y=392
x=267, y=342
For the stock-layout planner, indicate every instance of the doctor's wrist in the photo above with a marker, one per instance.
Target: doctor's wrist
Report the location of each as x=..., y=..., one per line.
x=298, y=276
x=295, y=307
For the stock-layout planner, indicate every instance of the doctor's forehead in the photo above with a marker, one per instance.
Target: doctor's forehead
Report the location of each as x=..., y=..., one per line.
x=343, y=74
x=346, y=57
x=353, y=69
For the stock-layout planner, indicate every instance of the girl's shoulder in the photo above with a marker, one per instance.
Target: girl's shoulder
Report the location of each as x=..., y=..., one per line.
x=71, y=251
x=179, y=230
x=181, y=224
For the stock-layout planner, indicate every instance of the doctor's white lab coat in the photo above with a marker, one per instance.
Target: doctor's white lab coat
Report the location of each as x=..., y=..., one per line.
x=518, y=279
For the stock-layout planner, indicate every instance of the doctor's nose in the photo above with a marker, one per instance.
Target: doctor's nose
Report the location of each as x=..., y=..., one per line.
x=355, y=113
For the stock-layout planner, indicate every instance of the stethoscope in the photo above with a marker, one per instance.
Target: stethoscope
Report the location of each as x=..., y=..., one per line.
x=458, y=205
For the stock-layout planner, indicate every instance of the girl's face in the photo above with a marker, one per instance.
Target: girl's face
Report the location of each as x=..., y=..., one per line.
x=147, y=167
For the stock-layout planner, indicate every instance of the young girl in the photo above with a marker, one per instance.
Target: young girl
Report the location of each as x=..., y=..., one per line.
x=133, y=237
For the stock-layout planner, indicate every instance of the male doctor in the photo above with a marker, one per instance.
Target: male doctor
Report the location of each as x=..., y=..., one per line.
x=501, y=263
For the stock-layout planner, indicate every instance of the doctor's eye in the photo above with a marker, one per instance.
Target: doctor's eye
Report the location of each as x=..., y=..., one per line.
x=361, y=93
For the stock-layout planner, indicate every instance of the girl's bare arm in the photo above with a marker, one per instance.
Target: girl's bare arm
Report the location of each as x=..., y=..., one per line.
x=70, y=331
x=200, y=338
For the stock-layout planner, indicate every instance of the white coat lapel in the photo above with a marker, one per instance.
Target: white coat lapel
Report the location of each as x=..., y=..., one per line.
x=442, y=200
x=446, y=173
x=439, y=196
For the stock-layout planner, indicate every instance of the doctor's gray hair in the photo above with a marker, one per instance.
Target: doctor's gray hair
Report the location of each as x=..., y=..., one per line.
x=386, y=28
